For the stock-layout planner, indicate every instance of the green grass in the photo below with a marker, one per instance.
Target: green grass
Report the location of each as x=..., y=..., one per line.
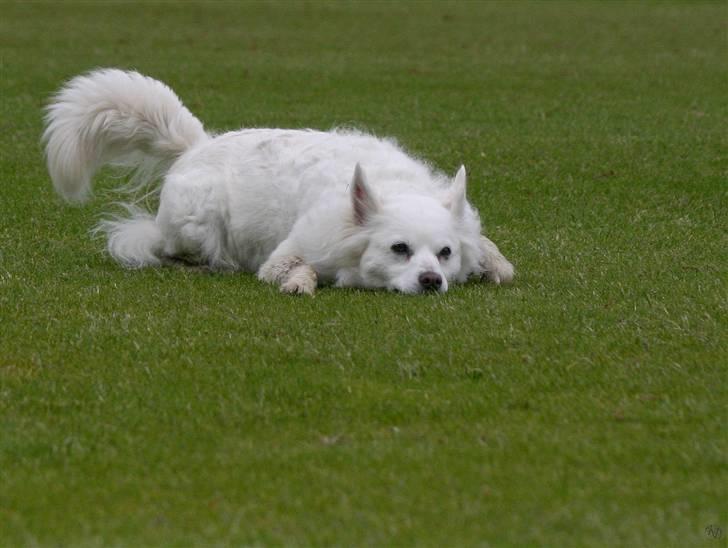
x=585, y=405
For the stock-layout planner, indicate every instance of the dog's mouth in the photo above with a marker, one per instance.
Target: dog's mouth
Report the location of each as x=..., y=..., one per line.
x=417, y=290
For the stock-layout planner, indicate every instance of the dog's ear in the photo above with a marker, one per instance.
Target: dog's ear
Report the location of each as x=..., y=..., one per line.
x=363, y=200
x=455, y=201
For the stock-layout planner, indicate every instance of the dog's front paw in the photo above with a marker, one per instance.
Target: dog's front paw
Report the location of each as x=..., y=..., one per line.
x=500, y=271
x=493, y=266
x=290, y=273
x=301, y=280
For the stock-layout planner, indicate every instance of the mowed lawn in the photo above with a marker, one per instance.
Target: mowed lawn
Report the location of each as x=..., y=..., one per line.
x=584, y=405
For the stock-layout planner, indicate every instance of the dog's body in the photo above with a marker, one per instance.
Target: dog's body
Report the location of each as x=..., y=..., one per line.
x=292, y=205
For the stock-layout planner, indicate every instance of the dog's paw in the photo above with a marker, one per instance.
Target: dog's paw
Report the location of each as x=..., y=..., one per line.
x=493, y=266
x=301, y=280
x=500, y=271
x=290, y=273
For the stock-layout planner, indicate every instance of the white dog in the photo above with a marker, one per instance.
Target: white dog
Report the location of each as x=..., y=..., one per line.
x=295, y=206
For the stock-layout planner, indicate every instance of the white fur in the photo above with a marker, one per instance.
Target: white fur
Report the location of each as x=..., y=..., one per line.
x=298, y=207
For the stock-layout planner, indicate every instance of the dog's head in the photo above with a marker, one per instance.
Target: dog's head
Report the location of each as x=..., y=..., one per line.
x=415, y=242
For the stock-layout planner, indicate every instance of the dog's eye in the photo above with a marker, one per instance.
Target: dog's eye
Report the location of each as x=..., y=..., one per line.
x=445, y=252
x=401, y=248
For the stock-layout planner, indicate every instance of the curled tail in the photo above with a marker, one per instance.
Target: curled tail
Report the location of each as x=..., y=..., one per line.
x=110, y=116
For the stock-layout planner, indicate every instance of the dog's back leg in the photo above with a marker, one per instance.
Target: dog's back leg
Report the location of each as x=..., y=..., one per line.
x=136, y=241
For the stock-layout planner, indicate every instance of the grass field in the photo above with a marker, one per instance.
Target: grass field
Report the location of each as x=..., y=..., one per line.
x=585, y=405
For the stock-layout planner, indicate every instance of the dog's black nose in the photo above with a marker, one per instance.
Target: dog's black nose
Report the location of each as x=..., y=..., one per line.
x=430, y=280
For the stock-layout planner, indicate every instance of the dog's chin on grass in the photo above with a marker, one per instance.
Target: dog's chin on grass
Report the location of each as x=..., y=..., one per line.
x=425, y=293
x=415, y=290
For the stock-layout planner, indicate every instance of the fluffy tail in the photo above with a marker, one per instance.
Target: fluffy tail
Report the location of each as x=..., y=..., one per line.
x=110, y=116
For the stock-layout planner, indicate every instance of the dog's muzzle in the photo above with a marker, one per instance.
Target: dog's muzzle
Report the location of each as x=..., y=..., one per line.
x=430, y=281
